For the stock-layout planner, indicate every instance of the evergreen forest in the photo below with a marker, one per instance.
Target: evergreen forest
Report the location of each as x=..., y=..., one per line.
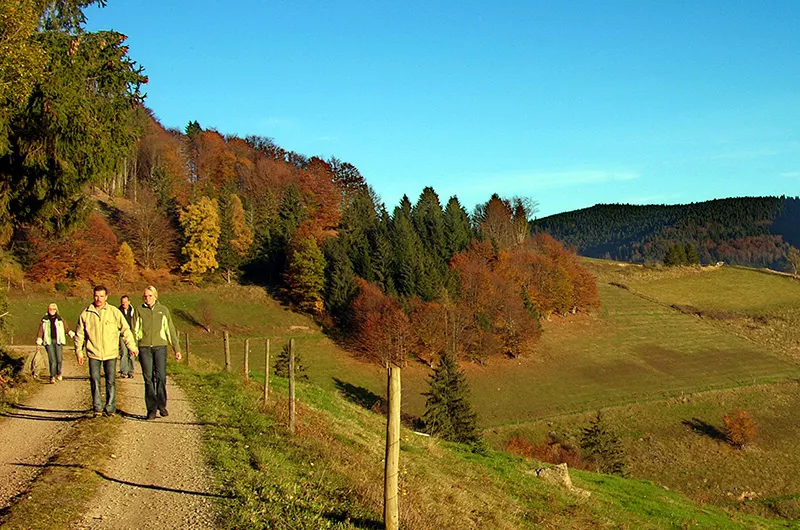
x=749, y=231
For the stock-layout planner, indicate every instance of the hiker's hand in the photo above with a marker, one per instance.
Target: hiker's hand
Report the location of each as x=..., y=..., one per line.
x=178, y=356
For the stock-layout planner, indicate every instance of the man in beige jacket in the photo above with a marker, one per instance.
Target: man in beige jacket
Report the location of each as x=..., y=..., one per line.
x=97, y=337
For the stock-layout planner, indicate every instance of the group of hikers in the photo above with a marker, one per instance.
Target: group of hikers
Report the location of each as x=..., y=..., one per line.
x=105, y=334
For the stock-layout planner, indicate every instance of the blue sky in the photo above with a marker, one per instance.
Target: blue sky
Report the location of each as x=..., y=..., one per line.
x=569, y=103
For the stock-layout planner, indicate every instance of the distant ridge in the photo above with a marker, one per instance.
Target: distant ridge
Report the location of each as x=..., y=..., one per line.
x=750, y=231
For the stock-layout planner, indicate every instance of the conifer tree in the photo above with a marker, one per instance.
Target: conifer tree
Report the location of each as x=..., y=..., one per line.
x=340, y=286
x=692, y=257
x=305, y=275
x=281, y=368
x=406, y=250
x=448, y=413
x=602, y=447
x=68, y=127
x=457, y=229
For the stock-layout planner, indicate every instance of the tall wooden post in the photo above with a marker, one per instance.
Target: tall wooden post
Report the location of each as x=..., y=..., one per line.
x=227, y=342
x=292, y=420
x=247, y=360
x=391, y=515
x=186, y=351
x=266, y=370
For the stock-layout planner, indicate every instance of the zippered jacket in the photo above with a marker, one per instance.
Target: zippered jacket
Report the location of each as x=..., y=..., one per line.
x=155, y=327
x=98, y=331
x=44, y=335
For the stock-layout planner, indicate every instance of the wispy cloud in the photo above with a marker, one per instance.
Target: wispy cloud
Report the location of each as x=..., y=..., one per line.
x=791, y=175
x=548, y=180
x=275, y=121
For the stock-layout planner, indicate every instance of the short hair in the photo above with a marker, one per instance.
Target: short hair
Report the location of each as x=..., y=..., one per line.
x=153, y=290
x=52, y=304
x=123, y=297
x=101, y=287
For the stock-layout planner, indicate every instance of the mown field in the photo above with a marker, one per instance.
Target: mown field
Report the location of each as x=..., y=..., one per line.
x=667, y=353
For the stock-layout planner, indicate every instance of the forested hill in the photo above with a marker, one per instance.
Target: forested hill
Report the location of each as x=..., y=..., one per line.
x=753, y=231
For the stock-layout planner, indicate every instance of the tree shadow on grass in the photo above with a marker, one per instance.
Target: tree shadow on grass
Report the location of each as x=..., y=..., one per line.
x=188, y=317
x=356, y=394
x=705, y=428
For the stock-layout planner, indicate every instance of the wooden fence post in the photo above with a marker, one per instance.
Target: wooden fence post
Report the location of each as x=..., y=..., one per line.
x=292, y=420
x=246, y=360
x=227, y=342
x=266, y=370
x=391, y=517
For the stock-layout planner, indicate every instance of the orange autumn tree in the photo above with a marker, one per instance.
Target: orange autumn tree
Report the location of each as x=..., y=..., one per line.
x=381, y=330
x=87, y=254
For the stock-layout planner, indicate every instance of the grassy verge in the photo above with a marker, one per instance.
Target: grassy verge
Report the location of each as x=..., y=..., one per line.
x=329, y=475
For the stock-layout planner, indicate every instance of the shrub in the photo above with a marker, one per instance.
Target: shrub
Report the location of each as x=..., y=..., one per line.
x=740, y=428
x=519, y=446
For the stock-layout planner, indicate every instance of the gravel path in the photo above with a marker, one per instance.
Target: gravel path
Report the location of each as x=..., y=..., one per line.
x=33, y=432
x=156, y=478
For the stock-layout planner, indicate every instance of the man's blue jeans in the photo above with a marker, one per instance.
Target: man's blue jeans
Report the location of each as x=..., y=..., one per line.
x=54, y=356
x=110, y=369
x=126, y=363
x=154, y=370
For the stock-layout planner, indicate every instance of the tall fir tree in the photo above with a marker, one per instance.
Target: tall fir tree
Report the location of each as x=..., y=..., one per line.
x=340, y=285
x=457, y=228
x=448, y=412
x=602, y=446
x=692, y=257
x=305, y=276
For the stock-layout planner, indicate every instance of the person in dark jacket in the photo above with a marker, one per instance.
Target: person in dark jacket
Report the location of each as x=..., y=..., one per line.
x=126, y=363
x=155, y=332
x=53, y=332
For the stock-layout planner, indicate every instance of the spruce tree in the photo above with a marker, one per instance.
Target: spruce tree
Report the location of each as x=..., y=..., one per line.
x=305, y=275
x=281, y=368
x=692, y=257
x=340, y=286
x=457, y=230
x=448, y=413
x=602, y=447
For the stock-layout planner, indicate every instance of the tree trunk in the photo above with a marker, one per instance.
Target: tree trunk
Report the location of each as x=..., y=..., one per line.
x=391, y=517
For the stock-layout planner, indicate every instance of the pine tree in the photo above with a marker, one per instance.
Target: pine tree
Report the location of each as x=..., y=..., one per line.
x=281, y=368
x=70, y=119
x=680, y=253
x=340, y=286
x=448, y=413
x=305, y=276
x=457, y=229
x=692, y=257
x=602, y=447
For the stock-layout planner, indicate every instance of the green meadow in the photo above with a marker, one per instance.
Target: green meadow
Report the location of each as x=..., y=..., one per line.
x=665, y=356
